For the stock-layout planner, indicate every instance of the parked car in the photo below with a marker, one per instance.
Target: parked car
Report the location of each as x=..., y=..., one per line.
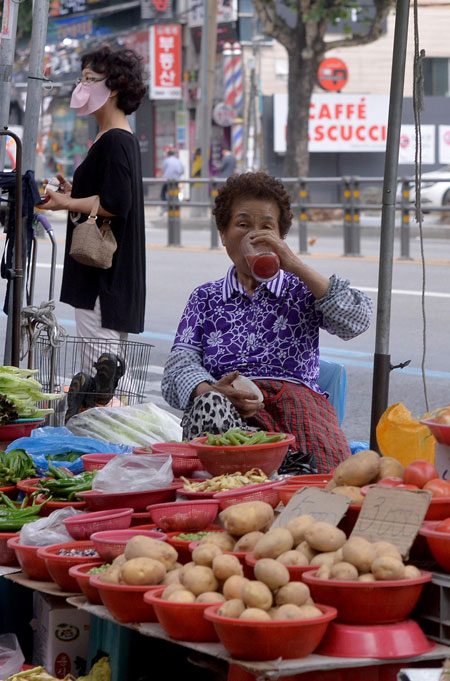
x=434, y=189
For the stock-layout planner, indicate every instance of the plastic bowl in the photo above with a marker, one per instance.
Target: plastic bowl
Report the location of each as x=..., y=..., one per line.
x=80, y=572
x=29, y=485
x=182, y=621
x=439, y=509
x=7, y=554
x=33, y=565
x=58, y=566
x=11, y=491
x=388, y=641
x=379, y=602
x=441, y=431
x=263, y=491
x=83, y=525
x=141, y=518
x=184, y=516
x=184, y=462
x=51, y=505
x=438, y=543
x=20, y=428
x=264, y=640
x=195, y=496
x=182, y=545
x=296, y=572
x=138, y=501
x=219, y=460
x=313, y=480
x=94, y=462
x=111, y=543
x=124, y=602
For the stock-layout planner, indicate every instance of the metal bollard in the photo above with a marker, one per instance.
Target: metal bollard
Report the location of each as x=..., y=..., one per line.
x=214, y=243
x=405, y=223
x=347, y=205
x=302, y=218
x=355, y=230
x=173, y=218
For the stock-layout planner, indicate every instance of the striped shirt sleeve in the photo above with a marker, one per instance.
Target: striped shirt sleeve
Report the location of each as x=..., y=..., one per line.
x=183, y=372
x=346, y=311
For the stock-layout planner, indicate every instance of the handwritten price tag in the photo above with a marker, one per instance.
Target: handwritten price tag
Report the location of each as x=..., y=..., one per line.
x=392, y=515
x=324, y=506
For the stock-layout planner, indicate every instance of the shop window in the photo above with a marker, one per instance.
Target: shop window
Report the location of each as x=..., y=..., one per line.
x=436, y=73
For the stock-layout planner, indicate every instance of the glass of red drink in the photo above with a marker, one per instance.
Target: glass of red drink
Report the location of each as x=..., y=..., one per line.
x=263, y=263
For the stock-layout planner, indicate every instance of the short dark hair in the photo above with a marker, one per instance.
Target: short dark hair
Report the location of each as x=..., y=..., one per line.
x=254, y=185
x=124, y=72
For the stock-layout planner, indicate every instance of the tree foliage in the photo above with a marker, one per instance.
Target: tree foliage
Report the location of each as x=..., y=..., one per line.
x=301, y=27
x=24, y=20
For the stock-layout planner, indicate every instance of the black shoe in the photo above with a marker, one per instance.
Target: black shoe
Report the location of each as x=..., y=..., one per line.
x=110, y=369
x=80, y=386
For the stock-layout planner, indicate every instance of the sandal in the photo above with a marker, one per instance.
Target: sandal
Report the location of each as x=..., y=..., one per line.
x=81, y=386
x=110, y=369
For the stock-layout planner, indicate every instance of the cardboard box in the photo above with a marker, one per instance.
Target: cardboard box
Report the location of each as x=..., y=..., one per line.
x=60, y=636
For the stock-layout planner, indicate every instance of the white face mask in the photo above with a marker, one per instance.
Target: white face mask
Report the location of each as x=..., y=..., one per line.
x=89, y=97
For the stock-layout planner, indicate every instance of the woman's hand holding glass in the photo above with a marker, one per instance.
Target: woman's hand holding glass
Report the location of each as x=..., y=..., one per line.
x=288, y=260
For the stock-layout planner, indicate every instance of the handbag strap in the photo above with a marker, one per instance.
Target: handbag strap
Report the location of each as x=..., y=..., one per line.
x=106, y=224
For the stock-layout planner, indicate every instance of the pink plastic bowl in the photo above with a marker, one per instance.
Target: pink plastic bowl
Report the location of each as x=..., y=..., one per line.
x=441, y=431
x=111, y=543
x=184, y=516
x=184, y=461
x=438, y=543
x=125, y=603
x=58, y=566
x=182, y=621
x=264, y=491
x=80, y=572
x=94, y=462
x=83, y=525
x=33, y=565
x=379, y=602
x=264, y=640
x=138, y=501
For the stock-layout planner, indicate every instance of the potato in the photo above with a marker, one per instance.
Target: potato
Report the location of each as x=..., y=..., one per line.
x=359, y=552
x=248, y=541
x=119, y=560
x=325, y=537
x=388, y=567
x=111, y=575
x=307, y=551
x=330, y=486
x=184, y=569
x=411, y=572
x=358, y=470
x=257, y=595
x=353, y=493
x=389, y=468
x=289, y=611
x=323, y=572
x=204, y=554
x=338, y=557
x=274, y=543
x=181, y=596
x=232, y=608
x=254, y=614
x=210, y=597
x=293, y=558
x=366, y=577
x=250, y=516
x=309, y=611
x=199, y=579
x=298, y=525
x=293, y=592
x=271, y=572
x=385, y=548
x=234, y=586
x=141, y=546
x=172, y=577
x=171, y=588
x=343, y=571
x=221, y=539
x=142, y=571
x=327, y=558
x=225, y=566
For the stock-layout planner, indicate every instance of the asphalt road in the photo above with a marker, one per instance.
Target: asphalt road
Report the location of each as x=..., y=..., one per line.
x=172, y=272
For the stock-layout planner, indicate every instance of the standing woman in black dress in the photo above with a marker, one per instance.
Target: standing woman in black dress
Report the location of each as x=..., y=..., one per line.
x=109, y=303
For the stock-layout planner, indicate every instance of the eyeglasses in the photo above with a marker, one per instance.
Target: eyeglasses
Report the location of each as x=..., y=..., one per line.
x=87, y=80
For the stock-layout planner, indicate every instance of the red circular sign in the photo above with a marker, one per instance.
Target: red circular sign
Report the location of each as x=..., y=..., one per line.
x=332, y=74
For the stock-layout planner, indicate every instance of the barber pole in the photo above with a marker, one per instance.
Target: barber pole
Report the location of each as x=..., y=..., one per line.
x=237, y=135
x=228, y=75
x=237, y=77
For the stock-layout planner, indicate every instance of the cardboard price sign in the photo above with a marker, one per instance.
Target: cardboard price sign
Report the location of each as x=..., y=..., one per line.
x=392, y=515
x=322, y=505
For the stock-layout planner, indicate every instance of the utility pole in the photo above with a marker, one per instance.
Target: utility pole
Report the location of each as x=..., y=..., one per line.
x=35, y=80
x=207, y=70
x=7, y=50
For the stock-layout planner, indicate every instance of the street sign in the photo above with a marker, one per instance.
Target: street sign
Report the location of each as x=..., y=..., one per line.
x=223, y=114
x=332, y=74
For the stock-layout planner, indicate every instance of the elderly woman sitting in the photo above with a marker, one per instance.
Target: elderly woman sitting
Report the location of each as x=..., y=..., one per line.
x=268, y=332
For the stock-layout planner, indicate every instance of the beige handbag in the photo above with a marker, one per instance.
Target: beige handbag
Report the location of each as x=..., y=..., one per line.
x=92, y=245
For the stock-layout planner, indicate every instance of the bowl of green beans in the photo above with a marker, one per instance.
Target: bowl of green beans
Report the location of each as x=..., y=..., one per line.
x=241, y=450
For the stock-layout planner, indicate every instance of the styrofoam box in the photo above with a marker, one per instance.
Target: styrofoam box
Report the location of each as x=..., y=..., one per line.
x=60, y=636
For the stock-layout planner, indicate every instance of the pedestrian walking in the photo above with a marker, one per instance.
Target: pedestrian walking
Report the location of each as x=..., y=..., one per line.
x=228, y=164
x=172, y=169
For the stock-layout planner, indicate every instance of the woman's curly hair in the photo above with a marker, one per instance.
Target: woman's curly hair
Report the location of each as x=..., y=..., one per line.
x=256, y=186
x=124, y=72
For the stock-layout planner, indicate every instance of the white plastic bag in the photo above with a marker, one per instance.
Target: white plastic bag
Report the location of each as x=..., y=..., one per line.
x=11, y=656
x=140, y=425
x=131, y=473
x=49, y=529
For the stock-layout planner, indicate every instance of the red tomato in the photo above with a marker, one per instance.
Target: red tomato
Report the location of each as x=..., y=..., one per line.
x=444, y=526
x=403, y=486
x=419, y=472
x=438, y=487
x=390, y=482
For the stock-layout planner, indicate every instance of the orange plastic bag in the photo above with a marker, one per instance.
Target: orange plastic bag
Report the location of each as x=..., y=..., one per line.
x=403, y=437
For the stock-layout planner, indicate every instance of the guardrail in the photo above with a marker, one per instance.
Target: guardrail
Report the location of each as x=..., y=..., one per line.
x=350, y=203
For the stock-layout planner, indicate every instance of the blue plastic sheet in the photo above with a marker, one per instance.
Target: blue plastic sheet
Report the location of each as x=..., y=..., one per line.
x=48, y=440
x=333, y=380
x=357, y=446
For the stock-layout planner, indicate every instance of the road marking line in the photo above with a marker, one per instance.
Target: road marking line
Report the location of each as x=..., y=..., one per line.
x=405, y=292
